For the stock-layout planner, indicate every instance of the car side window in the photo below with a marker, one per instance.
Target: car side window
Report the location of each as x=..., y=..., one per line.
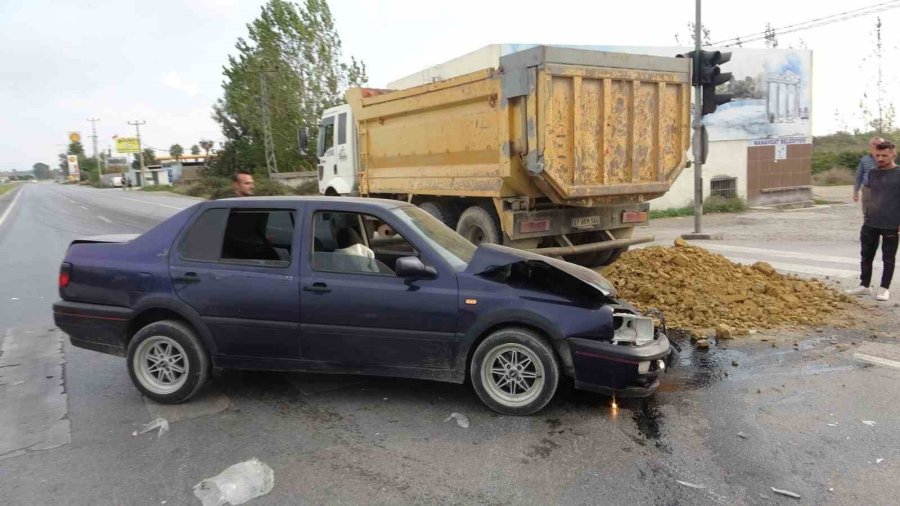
x=245, y=236
x=349, y=243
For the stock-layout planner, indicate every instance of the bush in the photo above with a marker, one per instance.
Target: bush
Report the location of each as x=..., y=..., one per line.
x=835, y=176
x=213, y=188
x=826, y=160
x=310, y=187
x=156, y=188
x=716, y=204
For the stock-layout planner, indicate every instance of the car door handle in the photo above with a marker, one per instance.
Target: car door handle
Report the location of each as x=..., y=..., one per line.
x=317, y=288
x=188, y=277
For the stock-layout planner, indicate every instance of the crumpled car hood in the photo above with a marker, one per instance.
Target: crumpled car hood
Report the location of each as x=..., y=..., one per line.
x=492, y=256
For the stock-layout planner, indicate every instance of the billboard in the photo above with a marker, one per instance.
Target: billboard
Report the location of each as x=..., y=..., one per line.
x=128, y=145
x=74, y=169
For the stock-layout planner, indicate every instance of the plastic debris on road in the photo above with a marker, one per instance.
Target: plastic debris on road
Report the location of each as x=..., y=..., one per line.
x=689, y=484
x=742, y=435
x=787, y=493
x=879, y=461
x=870, y=423
x=160, y=423
x=461, y=419
x=237, y=484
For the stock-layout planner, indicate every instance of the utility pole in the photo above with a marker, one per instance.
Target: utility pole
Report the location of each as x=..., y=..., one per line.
x=137, y=126
x=271, y=163
x=698, y=132
x=94, y=138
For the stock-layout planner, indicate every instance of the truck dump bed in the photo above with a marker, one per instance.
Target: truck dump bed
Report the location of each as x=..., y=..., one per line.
x=580, y=127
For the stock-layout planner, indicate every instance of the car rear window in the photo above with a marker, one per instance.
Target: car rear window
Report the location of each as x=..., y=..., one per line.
x=246, y=236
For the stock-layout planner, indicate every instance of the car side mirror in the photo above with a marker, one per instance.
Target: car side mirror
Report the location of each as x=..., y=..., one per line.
x=303, y=137
x=413, y=268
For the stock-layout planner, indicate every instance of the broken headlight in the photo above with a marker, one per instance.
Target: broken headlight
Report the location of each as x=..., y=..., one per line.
x=633, y=329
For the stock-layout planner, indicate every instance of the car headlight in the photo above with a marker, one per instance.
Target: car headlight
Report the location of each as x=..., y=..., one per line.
x=629, y=328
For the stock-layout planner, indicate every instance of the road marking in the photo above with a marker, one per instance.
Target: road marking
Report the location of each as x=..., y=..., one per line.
x=877, y=360
x=801, y=269
x=779, y=253
x=154, y=203
x=11, y=205
x=104, y=218
x=83, y=207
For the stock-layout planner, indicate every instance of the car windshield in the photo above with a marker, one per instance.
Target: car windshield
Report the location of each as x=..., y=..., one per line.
x=447, y=243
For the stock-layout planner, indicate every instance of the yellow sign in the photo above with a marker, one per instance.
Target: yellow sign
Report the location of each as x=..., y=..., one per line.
x=128, y=145
x=74, y=137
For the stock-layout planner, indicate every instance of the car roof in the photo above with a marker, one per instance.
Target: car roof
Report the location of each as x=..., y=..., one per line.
x=381, y=203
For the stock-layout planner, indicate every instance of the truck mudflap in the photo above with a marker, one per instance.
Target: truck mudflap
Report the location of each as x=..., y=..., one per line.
x=621, y=370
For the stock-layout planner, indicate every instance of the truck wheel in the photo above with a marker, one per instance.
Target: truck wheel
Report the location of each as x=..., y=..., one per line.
x=479, y=225
x=514, y=371
x=440, y=211
x=167, y=362
x=614, y=255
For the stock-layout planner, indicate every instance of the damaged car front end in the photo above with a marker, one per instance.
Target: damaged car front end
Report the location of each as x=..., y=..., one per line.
x=604, y=344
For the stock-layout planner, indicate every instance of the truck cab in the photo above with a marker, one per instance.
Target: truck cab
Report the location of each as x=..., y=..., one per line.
x=336, y=150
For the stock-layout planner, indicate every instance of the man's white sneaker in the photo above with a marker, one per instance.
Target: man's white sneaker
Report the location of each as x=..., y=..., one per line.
x=859, y=290
x=883, y=294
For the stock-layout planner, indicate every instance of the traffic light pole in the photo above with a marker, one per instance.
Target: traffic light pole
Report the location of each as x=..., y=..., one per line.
x=698, y=126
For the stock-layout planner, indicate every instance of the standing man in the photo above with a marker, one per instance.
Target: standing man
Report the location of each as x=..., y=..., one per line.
x=243, y=184
x=866, y=164
x=881, y=209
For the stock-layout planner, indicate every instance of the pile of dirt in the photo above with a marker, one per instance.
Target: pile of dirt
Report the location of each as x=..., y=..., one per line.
x=698, y=290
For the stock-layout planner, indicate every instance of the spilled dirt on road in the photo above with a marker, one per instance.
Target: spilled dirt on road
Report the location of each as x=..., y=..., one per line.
x=698, y=290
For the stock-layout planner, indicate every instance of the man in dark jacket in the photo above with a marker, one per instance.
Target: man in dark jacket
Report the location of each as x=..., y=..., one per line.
x=865, y=165
x=881, y=209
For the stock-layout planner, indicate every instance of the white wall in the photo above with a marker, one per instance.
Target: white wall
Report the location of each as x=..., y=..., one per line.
x=726, y=158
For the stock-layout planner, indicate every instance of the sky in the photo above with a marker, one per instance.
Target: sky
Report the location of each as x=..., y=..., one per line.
x=161, y=62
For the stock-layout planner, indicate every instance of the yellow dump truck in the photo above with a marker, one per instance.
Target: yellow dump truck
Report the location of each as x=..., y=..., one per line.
x=555, y=150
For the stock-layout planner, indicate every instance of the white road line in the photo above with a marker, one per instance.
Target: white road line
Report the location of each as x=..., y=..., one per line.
x=153, y=203
x=104, y=218
x=11, y=205
x=83, y=207
x=778, y=253
x=877, y=360
x=801, y=269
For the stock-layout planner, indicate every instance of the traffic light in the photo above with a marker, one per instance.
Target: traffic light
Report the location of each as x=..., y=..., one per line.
x=708, y=75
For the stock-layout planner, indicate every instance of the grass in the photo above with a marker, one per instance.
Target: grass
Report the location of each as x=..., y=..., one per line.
x=5, y=187
x=157, y=188
x=835, y=176
x=710, y=206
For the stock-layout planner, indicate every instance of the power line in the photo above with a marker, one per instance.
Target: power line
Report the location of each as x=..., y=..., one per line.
x=812, y=23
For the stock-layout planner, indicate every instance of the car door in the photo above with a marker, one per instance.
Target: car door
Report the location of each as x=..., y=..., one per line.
x=357, y=311
x=237, y=267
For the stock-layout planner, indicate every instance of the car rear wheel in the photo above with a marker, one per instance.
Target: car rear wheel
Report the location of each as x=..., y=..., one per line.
x=514, y=372
x=167, y=362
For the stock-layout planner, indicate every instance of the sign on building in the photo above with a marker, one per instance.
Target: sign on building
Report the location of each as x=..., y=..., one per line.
x=128, y=145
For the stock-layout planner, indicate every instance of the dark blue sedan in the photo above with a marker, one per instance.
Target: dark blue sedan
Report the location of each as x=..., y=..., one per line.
x=346, y=285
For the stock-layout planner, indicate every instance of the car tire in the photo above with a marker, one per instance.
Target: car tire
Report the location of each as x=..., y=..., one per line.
x=167, y=362
x=479, y=225
x=535, y=365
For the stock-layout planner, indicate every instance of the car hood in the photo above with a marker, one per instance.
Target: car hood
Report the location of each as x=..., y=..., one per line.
x=492, y=256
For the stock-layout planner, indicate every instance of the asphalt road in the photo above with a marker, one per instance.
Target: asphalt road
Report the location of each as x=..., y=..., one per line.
x=812, y=419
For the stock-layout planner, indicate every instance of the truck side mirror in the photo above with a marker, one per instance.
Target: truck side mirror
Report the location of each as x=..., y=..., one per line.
x=303, y=136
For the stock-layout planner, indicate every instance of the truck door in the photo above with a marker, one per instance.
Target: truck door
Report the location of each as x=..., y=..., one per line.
x=345, y=152
x=328, y=169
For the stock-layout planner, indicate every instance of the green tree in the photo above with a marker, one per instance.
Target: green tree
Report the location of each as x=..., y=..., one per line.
x=297, y=50
x=195, y=150
x=176, y=151
x=41, y=170
x=207, y=145
x=149, y=159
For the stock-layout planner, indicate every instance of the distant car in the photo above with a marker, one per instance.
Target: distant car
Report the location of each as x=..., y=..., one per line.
x=354, y=286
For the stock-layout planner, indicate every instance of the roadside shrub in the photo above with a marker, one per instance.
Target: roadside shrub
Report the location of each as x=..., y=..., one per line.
x=826, y=160
x=835, y=176
x=310, y=187
x=267, y=187
x=716, y=204
x=156, y=188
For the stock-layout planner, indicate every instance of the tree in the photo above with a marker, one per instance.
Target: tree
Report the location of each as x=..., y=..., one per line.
x=207, y=145
x=149, y=159
x=41, y=170
x=296, y=49
x=880, y=115
x=176, y=151
x=195, y=150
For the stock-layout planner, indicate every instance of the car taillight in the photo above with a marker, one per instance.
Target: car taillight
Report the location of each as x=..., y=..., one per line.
x=65, y=272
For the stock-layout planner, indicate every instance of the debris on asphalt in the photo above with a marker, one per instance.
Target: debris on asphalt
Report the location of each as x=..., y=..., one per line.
x=461, y=419
x=689, y=484
x=742, y=435
x=832, y=424
x=879, y=461
x=870, y=423
x=786, y=493
x=237, y=484
x=160, y=423
x=699, y=290
x=702, y=344
x=734, y=363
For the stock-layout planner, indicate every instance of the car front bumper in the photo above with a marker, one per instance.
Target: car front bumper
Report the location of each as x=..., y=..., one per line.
x=93, y=326
x=621, y=370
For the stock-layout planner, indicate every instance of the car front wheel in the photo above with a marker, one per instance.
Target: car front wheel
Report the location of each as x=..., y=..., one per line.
x=514, y=371
x=167, y=362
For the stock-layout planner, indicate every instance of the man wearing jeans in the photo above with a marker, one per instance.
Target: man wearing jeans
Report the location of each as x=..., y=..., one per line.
x=881, y=210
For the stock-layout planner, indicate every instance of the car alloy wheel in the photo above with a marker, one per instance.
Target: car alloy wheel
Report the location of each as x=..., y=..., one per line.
x=512, y=375
x=161, y=365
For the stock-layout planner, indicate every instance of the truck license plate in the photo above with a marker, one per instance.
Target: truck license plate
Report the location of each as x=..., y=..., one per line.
x=587, y=221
